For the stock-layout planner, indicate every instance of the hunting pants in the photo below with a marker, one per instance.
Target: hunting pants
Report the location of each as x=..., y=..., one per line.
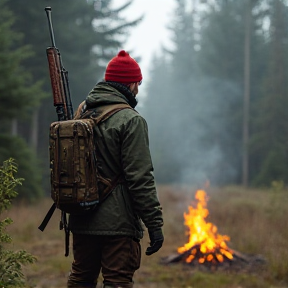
x=118, y=257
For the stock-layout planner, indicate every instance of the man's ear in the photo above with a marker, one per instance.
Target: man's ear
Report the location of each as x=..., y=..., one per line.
x=132, y=86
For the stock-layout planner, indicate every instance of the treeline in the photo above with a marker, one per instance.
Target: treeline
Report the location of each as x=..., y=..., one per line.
x=88, y=34
x=216, y=101
x=217, y=104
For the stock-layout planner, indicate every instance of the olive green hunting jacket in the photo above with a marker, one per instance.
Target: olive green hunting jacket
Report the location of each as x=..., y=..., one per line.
x=122, y=149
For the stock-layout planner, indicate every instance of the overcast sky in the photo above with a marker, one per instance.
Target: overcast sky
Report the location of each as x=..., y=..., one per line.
x=147, y=37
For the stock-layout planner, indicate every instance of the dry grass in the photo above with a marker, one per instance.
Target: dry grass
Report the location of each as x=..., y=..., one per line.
x=255, y=220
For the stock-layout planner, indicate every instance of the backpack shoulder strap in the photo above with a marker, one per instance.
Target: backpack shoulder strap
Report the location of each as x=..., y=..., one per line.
x=104, y=112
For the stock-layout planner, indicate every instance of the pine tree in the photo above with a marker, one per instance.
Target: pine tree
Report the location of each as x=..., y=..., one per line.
x=269, y=143
x=18, y=91
x=158, y=109
x=19, y=94
x=87, y=35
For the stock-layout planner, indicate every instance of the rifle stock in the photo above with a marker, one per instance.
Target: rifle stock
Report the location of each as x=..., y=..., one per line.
x=58, y=77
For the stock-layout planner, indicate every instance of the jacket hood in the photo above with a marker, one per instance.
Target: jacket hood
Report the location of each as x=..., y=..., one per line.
x=107, y=93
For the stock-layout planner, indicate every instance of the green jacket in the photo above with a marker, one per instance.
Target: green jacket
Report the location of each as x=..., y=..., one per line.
x=123, y=148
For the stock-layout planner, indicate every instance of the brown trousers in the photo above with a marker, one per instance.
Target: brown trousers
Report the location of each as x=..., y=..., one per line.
x=118, y=257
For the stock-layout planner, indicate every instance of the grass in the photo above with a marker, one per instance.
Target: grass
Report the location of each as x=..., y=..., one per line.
x=254, y=219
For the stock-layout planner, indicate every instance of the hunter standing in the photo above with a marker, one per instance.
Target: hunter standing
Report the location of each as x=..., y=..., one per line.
x=108, y=240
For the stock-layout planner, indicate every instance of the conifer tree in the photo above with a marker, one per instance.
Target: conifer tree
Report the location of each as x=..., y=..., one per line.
x=19, y=94
x=269, y=143
x=158, y=109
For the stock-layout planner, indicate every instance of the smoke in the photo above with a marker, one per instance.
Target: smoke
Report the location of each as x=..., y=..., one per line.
x=192, y=136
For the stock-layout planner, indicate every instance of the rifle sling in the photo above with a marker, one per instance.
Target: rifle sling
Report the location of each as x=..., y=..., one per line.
x=47, y=217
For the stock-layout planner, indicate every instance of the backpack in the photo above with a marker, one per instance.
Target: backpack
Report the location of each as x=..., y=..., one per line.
x=73, y=165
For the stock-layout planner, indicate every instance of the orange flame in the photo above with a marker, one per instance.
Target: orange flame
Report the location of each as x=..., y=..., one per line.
x=213, y=246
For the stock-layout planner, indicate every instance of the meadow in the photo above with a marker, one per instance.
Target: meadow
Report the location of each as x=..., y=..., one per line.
x=254, y=219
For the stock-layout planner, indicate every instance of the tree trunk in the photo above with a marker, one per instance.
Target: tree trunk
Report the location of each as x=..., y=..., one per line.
x=246, y=100
x=34, y=130
x=14, y=127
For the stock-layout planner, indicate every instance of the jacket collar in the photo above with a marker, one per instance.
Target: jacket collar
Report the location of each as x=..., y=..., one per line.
x=105, y=93
x=123, y=89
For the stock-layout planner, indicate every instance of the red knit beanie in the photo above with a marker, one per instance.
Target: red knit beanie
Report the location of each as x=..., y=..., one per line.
x=123, y=69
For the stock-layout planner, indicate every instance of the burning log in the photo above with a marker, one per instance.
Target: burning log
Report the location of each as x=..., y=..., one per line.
x=206, y=248
x=240, y=262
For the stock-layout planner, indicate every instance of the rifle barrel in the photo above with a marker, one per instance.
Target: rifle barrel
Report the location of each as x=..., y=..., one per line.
x=48, y=13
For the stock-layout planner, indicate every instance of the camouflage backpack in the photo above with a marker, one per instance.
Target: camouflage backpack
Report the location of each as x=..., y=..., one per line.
x=73, y=165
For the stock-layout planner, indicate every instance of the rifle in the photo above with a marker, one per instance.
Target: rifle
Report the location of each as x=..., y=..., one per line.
x=58, y=77
x=64, y=110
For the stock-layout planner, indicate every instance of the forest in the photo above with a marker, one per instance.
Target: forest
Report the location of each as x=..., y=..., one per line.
x=215, y=104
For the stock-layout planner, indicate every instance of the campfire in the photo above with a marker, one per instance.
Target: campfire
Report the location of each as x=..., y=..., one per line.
x=205, y=246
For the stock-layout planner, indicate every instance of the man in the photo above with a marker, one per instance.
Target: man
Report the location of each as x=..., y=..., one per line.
x=108, y=239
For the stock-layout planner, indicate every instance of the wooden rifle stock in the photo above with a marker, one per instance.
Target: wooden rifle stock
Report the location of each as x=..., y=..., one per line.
x=58, y=77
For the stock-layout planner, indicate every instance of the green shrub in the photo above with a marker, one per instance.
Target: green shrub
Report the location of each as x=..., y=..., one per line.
x=28, y=166
x=11, y=262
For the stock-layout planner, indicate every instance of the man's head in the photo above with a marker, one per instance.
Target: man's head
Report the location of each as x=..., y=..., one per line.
x=124, y=69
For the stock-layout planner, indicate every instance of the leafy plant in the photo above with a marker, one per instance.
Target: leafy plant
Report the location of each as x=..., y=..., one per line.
x=11, y=262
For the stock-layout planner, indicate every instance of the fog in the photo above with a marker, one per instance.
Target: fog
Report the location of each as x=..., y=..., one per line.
x=190, y=139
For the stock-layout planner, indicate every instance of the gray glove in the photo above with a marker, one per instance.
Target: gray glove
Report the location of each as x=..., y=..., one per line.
x=156, y=241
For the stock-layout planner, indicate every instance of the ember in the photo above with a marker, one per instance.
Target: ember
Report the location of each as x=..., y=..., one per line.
x=204, y=244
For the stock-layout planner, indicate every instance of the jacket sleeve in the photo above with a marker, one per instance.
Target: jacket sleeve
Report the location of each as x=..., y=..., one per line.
x=138, y=172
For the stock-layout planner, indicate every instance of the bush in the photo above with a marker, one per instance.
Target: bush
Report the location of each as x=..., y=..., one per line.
x=10, y=261
x=29, y=168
